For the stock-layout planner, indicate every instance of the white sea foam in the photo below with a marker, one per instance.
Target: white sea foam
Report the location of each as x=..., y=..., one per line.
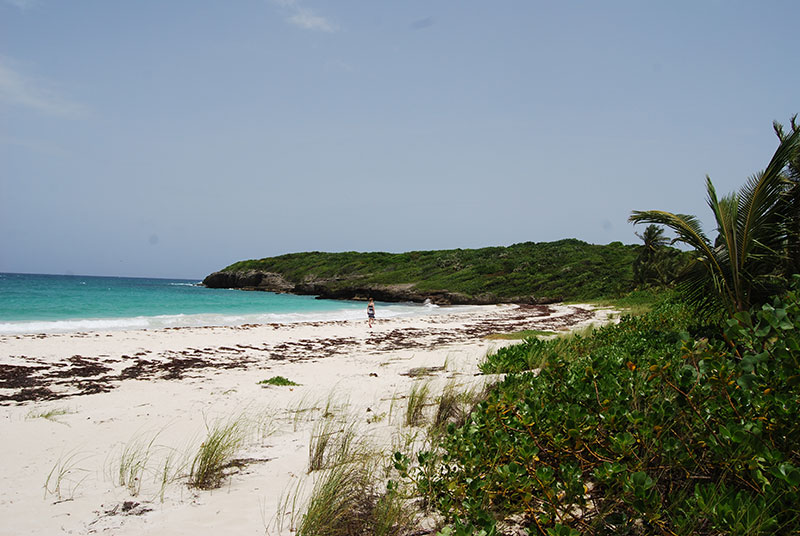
x=200, y=320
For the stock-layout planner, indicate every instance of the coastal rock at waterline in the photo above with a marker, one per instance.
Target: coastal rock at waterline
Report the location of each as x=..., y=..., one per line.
x=249, y=279
x=343, y=290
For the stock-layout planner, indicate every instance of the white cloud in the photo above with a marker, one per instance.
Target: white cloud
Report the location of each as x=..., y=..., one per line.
x=18, y=90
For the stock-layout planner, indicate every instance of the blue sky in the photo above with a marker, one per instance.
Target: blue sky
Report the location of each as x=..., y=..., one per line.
x=172, y=138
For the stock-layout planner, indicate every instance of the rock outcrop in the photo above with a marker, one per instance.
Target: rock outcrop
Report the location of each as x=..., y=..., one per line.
x=350, y=289
x=249, y=280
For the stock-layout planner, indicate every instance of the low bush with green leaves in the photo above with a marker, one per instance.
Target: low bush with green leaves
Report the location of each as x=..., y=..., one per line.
x=279, y=381
x=633, y=337
x=662, y=424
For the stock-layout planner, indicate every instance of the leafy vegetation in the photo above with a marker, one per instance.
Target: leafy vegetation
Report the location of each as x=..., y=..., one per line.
x=278, y=381
x=667, y=423
x=566, y=269
x=657, y=265
x=519, y=335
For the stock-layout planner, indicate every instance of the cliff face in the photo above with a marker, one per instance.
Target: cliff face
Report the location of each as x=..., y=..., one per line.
x=350, y=290
x=249, y=280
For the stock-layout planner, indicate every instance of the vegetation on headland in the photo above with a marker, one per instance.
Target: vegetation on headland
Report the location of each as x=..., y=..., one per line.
x=539, y=272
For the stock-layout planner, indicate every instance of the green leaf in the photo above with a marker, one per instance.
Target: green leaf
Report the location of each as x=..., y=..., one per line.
x=747, y=381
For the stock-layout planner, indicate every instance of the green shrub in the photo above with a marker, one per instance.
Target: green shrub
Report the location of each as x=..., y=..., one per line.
x=638, y=429
x=633, y=337
x=278, y=381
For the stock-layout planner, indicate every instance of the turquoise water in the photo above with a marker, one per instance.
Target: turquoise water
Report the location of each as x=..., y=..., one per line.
x=34, y=303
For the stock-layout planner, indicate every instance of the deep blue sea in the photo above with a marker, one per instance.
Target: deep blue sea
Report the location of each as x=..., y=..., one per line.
x=35, y=303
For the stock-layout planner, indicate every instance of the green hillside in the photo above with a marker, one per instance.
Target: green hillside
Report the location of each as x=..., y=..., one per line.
x=566, y=269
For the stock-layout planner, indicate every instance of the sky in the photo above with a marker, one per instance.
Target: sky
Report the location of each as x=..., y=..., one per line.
x=173, y=138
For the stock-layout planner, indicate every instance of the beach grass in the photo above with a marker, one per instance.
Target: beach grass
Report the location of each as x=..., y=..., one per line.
x=348, y=499
x=333, y=444
x=133, y=462
x=171, y=466
x=65, y=477
x=223, y=440
x=448, y=407
x=50, y=414
x=416, y=401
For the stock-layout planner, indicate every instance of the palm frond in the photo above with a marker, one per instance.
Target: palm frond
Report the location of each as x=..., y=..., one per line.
x=685, y=226
x=727, y=249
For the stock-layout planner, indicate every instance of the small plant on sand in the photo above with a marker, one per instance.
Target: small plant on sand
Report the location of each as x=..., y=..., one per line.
x=415, y=403
x=278, y=381
x=216, y=453
x=65, y=477
x=50, y=414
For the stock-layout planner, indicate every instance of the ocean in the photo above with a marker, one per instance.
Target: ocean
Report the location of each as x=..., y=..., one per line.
x=36, y=303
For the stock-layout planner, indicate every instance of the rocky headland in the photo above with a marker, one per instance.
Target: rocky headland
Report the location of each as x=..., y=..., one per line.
x=346, y=289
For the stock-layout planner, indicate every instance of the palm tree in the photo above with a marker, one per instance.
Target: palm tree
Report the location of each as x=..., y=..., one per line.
x=647, y=266
x=745, y=264
x=792, y=201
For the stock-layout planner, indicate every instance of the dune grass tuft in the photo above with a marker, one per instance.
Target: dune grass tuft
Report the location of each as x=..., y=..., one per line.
x=65, y=477
x=133, y=462
x=416, y=402
x=216, y=454
x=331, y=445
x=448, y=408
x=346, y=500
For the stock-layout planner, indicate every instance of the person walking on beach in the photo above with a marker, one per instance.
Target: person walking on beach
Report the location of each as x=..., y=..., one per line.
x=370, y=312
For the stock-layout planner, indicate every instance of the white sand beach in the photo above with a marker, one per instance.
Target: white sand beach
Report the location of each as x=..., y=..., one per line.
x=73, y=405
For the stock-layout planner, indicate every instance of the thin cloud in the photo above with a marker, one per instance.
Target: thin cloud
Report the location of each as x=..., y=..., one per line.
x=22, y=4
x=19, y=91
x=305, y=18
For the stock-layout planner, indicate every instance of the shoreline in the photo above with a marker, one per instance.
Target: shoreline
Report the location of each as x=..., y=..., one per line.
x=349, y=310
x=70, y=404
